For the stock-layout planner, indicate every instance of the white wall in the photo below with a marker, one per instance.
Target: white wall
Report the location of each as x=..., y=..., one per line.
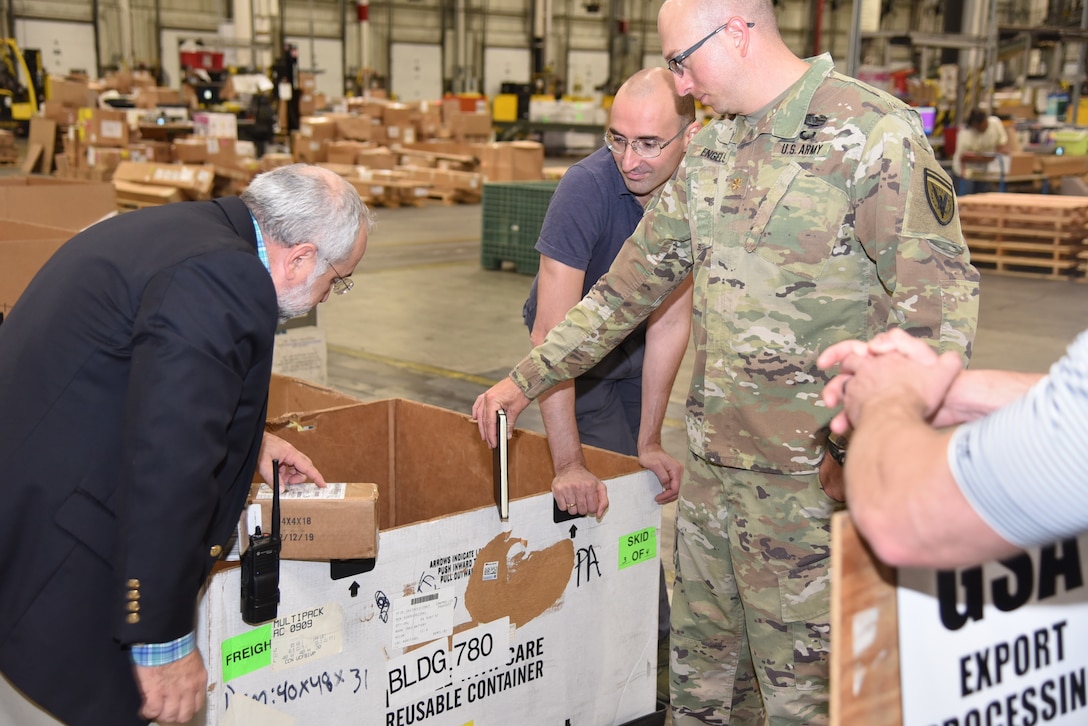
x=64, y=46
x=586, y=70
x=417, y=71
x=505, y=65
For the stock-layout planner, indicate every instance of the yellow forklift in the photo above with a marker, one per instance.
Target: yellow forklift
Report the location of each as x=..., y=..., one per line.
x=22, y=85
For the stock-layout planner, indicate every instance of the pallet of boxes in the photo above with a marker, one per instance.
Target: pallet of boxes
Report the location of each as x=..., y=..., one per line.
x=1026, y=235
x=355, y=144
x=405, y=597
x=211, y=162
x=408, y=154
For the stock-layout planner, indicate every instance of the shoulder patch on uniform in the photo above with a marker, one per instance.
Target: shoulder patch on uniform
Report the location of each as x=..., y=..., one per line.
x=939, y=196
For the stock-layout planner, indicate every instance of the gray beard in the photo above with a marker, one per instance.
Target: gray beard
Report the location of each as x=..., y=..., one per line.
x=295, y=302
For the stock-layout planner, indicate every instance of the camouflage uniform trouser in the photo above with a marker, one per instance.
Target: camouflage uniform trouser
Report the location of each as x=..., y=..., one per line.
x=751, y=603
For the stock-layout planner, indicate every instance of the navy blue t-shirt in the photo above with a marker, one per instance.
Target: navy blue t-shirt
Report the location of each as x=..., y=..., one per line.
x=590, y=216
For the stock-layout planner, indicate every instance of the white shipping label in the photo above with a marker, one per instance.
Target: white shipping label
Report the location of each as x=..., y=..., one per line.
x=112, y=129
x=308, y=490
x=307, y=636
x=423, y=617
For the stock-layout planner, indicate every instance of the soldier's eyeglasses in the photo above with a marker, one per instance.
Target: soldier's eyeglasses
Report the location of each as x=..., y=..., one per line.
x=675, y=62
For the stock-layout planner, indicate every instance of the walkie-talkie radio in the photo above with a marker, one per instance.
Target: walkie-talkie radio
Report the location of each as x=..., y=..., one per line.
x=261, y=565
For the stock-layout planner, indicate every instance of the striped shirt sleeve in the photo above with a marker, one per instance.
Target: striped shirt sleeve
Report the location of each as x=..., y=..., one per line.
x=1024, y=468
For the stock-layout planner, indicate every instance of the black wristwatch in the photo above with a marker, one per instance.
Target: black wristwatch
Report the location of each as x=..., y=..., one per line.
x=836, y=448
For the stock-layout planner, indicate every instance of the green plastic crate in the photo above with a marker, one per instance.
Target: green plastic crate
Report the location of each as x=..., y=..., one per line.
x=513, y=213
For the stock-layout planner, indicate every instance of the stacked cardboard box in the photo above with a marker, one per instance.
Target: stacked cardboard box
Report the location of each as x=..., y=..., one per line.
x=9, y=154
x=67, y=96
x=389, y=187
x=141, y=184
x=498, y=161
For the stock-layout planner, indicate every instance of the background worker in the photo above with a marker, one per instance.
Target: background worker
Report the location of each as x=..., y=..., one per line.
x=620, y=403
x=134, y=377
x=977, y=142
x=813, y=211
x=924, y=495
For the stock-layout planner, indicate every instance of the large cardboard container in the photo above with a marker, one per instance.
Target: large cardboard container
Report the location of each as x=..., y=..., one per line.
x=24, y=248
x=66, y=203
x=462, y=617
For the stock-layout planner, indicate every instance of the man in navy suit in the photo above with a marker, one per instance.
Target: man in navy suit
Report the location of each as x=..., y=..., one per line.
x=134, y=377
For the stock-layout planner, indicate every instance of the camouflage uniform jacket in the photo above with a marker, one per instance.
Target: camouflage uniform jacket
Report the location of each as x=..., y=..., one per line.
x=823, y=218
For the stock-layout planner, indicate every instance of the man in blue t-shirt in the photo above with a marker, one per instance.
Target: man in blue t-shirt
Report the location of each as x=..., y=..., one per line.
x=620, y=403
x=596, y=206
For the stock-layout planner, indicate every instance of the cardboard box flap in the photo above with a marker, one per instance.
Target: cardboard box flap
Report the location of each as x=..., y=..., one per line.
x=291, y=399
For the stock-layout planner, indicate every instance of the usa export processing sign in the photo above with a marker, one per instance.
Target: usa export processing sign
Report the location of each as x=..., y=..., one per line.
x=1002, y=644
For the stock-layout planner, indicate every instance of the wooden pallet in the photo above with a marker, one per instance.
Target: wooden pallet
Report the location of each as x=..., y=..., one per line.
x=1029, y=235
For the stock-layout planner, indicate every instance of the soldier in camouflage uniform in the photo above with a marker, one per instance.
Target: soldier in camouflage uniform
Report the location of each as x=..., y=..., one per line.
x=817, y=214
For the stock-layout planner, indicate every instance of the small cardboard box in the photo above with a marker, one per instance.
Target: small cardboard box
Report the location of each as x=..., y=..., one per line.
x=106, y=158
x=195, y=180
x=308, y=150
x=71, y=93
x=317, y=128
x=217, y=125
x=376, y=158
x=146, y=194
x=107, y=128
x=397, y=114
x=156, y=96
x=192, y=150
x=57, y=111
x=471, y=125
x=1019, y=164
x=511, y=160
x=356, y=128
x=337, y=522
x=1063, y=165
x=345, y=152
x=157, y=151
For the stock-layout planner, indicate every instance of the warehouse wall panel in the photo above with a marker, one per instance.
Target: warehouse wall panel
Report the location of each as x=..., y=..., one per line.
x=502, y=65
x=77, y=10
x=65, y=46
x=417, y=74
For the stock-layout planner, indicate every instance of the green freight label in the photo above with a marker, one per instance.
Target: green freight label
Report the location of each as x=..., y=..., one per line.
x=638, y=547
x=247, y=652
